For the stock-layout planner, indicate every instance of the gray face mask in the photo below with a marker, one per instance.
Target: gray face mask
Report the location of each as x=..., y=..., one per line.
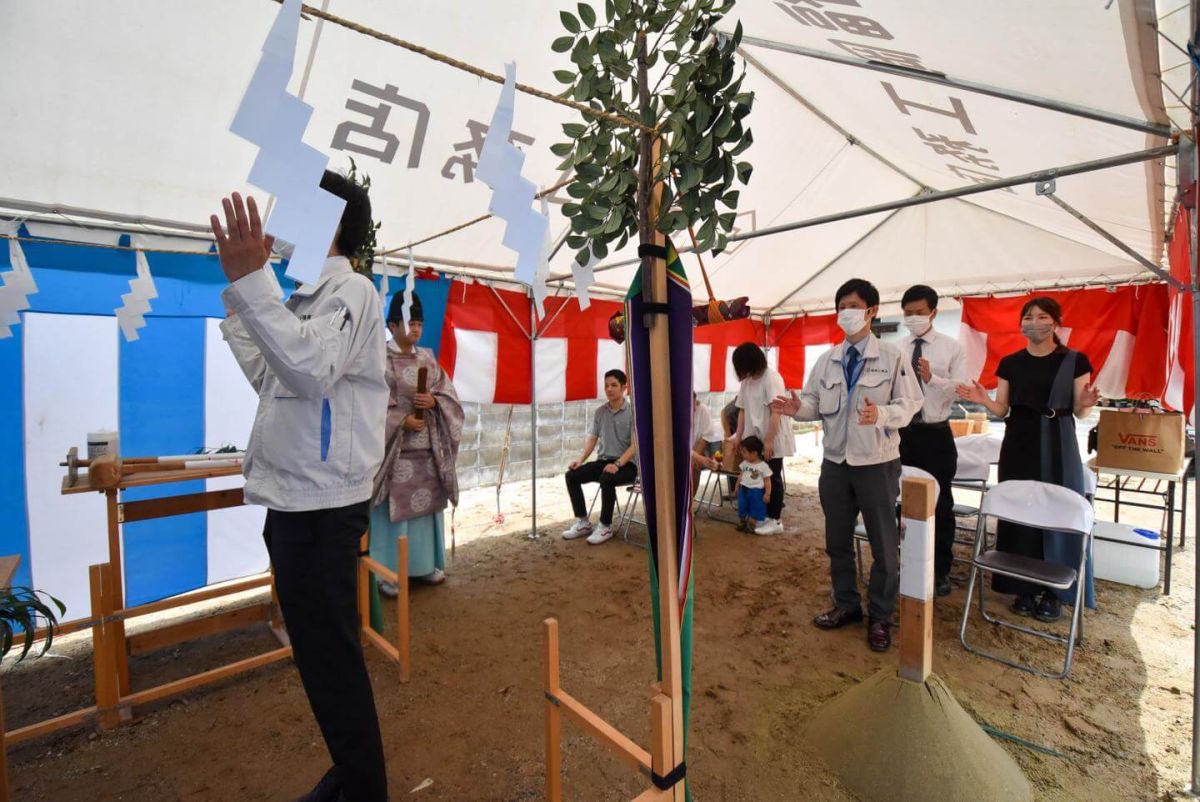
x=1037, y=333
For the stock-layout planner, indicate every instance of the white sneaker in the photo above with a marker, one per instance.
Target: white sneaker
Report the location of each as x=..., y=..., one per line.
x=771, y=526
x=437, y=577
x=389, y=589
x=580, y=528
x=602, y=534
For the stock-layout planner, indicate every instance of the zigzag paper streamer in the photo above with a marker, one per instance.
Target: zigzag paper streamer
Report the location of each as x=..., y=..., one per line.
x=584, y=276
x=383, y=285
x=543, y=270
x=410, y=278
x=499, y=167
x=131, y=316
x=304, y=214
x=18, y=283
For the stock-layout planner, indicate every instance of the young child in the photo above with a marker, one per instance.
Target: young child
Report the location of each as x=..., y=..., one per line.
x=754, y=485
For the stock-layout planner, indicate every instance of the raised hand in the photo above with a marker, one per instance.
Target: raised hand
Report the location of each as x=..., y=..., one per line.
x=869, y=414
x=1089, y=397
x=786, y=404
x=241, y=245
x=972, y=392
x=923, y=368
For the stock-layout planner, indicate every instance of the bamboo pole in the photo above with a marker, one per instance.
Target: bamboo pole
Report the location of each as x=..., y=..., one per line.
x=654, y=288
x=402, y=637
x=113, y=588
x=103, y=665
x=553, y=719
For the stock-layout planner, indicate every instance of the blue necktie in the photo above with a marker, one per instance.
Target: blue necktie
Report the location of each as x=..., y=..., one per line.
x=851, y=364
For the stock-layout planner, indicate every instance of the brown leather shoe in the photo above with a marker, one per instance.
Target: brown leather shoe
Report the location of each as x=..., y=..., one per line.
x=838, y=618
x=879, y=635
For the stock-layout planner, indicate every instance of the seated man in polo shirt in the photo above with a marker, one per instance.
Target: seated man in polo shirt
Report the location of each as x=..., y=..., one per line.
x=612, y=429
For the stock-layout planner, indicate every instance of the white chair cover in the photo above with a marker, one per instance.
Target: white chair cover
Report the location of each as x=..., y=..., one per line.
x=1039, y=504
x=976, y=454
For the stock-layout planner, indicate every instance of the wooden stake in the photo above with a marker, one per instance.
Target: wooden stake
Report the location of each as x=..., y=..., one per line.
x=917, y=506
x=402, y=606
x=104, y=665
x=553, y=719
x=113, y=588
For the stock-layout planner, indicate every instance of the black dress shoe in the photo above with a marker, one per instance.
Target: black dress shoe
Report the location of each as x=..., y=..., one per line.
x=329, y=789
x=943, y=586
x=838, y=618
x=879, y=635
x=1049, y=608
x=1024, y=605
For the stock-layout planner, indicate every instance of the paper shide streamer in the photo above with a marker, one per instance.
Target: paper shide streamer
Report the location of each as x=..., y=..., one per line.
x=304, y=214
x=526, y=230
x=18, y=283
x=131, y=316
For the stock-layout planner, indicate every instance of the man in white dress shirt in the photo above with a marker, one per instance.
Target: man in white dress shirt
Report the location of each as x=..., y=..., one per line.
x=927, y=442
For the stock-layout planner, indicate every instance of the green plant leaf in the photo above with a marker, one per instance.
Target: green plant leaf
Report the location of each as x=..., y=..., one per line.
x=726, y=220
x=573, y=130
x=587, y=14
x=730, y=199
x=744, y=169
x=564, y=76
x=562, y=44
x=569, y=22
x=622, y=6
x=561, y=149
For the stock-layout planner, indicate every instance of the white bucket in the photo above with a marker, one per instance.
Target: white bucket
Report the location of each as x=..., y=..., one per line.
x=103, y=442
x=1126, y=564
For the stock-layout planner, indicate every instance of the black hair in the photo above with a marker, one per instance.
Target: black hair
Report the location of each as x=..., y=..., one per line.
x=619, y=375
x=356, y=217
x=919, y=292
x=1048, y=305
x=748, y=361
x=860, y=287
x=396, y=309
x=752, y=443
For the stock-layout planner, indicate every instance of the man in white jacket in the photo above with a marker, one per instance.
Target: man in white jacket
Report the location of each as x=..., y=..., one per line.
x=863, y=392
x=317, y=362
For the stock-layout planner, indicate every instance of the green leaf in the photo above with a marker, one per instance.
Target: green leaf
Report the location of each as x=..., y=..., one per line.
x=578, y=189
x=587, y=14
x=740, y=147
x=561, y=149
x=569, y=22
x=743, y=171
x=564, y=76
x=622, y=6
x=726, y=220
x=705, y=234
x=609, y=10
x=599, y=249
x=596, y=211
x=705, y=149
x=562, y=44
x=573, y=130
x=730, y=199
x=571, y=209
x=609, y=183
x=576, y=241
x=583, y=256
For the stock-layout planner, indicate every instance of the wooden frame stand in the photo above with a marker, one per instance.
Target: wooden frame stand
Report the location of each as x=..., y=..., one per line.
x=656, y=762
x=367, y=566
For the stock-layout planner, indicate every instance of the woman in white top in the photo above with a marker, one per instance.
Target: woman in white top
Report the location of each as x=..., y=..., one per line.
x=760, y=385
x=706, y=442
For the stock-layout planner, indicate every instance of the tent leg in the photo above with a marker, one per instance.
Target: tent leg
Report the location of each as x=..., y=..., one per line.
x=1194, y=256
x=533, y=418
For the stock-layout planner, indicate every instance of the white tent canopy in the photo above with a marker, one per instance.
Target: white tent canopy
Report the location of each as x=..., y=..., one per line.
x=128, y=114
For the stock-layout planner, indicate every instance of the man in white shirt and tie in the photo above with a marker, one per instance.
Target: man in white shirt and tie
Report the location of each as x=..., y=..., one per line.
x=927, y=442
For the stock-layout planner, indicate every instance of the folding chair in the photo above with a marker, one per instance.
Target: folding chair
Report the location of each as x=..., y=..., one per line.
x=976, y=455
x=1044, y=506
x=627, y=517
x=860, y=529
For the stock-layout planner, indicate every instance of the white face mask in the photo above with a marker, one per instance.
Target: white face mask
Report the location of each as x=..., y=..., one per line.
x=852, y=321
x=917, y=324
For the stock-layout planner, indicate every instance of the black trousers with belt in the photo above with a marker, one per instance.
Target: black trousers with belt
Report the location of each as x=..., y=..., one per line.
x=930, y=447
x=315, y=556
x=593, y=471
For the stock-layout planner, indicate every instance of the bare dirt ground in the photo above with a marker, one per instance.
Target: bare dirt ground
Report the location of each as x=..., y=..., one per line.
x=471, y=718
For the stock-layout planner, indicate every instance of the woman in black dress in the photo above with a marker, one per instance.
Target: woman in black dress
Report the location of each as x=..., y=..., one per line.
x=1042, y=389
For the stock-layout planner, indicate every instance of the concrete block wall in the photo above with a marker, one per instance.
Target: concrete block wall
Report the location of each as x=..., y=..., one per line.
x=561, y=429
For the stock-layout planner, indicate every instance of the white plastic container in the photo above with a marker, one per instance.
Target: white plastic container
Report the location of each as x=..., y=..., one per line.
x=103, y=443
x=1128, y=565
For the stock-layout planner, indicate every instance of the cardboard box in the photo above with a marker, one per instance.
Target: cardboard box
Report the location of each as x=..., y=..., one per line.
x=961, y=427
x=730, y=458
x=1140, y=441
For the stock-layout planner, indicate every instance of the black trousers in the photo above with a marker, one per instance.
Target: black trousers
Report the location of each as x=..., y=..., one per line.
x=775, y=501
x=930, y=447
x=870, y=490
x=315, y=556
x=593, y=471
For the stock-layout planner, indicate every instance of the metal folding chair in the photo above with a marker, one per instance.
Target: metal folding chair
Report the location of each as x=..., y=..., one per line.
x=627, y=513
x=977, y=453
x=1044, y=506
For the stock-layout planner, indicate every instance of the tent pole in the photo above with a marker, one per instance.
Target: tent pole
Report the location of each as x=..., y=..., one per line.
x=1194, y=259
x=931, y=197
x=942, y=79
x=533, y=418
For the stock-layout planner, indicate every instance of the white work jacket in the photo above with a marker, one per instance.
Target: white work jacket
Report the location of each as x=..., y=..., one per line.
x=317, y=363
x=886, y=379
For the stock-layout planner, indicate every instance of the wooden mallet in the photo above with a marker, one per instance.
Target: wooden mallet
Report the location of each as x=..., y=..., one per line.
x=422, y=388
